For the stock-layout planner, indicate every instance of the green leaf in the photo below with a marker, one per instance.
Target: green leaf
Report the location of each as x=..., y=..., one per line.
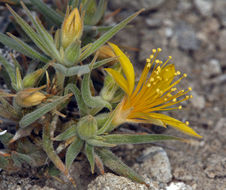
x=108, y=35
x=30, y=32
x=5, y=138
x=48, y=13
x=93, y=102
x=72, y=53
x=20, y=159
x=19, y=81
x=39, y=112
x=83, y=109
x=9, y=69
x=89, y=151
x=47, y=144
x=44, y=35
x=107, y=124
x=68, y=133
x=73, y=3
x=22, y=47
x=97, y=142
x=116, y=165
x=137, y=139
x=80, y=70
x=73, y=150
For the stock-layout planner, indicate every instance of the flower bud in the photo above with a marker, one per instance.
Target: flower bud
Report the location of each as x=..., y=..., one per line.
x=29, y=97
x=87, y=127
x=72, y=28
x=105, y=52
x=31, y=79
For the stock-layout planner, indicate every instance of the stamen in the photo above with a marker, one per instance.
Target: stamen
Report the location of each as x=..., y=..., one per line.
x=148, y=85
x=190, y=88
x=151, y=79
x=185, y=75
x=148, y=60
x=187, y=122
x=191, y=96
x=174, y=100
x=159, y=49
x=180, y=107
x=151, y=56
x=154, y=50
x=173, y=89
x=149, y=65
x=157, y=61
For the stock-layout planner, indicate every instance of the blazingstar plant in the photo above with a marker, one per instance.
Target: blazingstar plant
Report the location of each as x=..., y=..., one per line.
x=62, y=69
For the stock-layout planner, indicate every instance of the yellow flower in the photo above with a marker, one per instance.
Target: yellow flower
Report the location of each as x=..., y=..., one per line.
x=154, y=92
x=72, y=28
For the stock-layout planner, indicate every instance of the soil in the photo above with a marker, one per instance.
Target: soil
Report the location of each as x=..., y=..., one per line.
x=194, y=34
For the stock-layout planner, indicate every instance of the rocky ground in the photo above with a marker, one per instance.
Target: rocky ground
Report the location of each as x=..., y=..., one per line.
x=193, y=32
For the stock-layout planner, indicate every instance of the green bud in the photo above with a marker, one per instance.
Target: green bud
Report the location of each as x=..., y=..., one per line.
x=31, y=79
x=72, y=53
x=87, y=127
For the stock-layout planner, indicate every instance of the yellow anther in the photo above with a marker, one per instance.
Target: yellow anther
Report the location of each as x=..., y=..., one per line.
x=160, y=62
x=178, y=72
x=148, y=85
x=154, y=50
x=157, y=61
x=167, y=70
x=152, y=79
x=158, y=77
x=165, y=99
x=159, y=49
x=187, y=97
x=151, y=56
x=159, y=68
x=185, y=75
x=191, y=96
x=148, y=65
x=157, y=90
x=148, y=60
x=179, y=107
x=173, y=89
x=169, y=95
x=187, y=122
x=190, y=88
x=170, y=57
x=174, y=100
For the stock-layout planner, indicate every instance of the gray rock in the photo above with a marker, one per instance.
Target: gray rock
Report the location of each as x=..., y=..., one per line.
x=212, y=68
x=155, y=165
x=221, y=126
x=186, y=36
x=219, y=10
x=205, y=7
x=215, y=166
x=222, y=40
x=198, y=101
x=136, y=5
x=110, y=181
x=178, y=186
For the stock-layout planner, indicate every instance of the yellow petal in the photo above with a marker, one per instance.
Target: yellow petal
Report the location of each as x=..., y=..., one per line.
x=126, y=66
x=139, y=117
x=175, y=123
x=119, y=79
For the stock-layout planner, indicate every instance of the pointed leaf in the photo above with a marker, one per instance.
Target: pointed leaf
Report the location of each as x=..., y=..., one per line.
x=24, y=48
x=30, y=32
x=137, y=139
x=49, y=13
x=9, y=68
x=89, y=151
x=93, y=102
x=72, y=53
x=116, y=165
x=99, y=143
x=68, y=133
x=83, y=109
x=33, y=116
x=72, y=152
x=108, y=35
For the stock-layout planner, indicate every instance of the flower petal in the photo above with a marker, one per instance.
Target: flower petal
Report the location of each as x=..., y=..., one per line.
x=126, y=66
x=175, y=123
x=119, y=79
x=139, y=117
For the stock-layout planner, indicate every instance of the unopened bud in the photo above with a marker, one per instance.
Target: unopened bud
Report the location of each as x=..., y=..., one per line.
x=72, y=28
x=87, y=127
x=29, y=97
x=31, y=79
